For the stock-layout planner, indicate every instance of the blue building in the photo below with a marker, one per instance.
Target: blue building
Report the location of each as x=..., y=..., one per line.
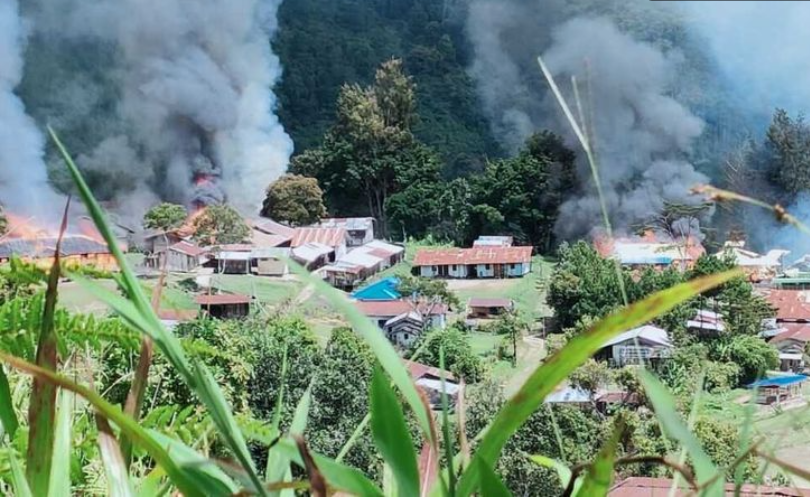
x=381, y=290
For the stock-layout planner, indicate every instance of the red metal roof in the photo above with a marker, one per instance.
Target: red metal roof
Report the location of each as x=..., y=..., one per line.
x=650, y=486
x=188, y=248
x=490, y=302
x=398, y=307
x=473, y=256
x=789, y=304
x=215, y=299
x=795, y=331
x=332, y=237
x=419, y=370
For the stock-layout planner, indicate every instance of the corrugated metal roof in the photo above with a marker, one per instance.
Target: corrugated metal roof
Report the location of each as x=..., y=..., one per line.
x=348, y=223
x=782, y=381
x=394, y=308
x=645, y=332
x=272, y=227
x=187, y=248
x=472, y=256
x=489, y=302
x=72, y=245
x=333, y=237
x=311, y=251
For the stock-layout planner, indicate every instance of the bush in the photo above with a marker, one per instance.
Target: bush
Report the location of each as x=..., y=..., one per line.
x=459, y=357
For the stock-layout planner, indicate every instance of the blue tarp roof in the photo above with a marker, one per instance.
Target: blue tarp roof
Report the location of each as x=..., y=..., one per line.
x=646, y=260
x=382, y=290
x=781, y=381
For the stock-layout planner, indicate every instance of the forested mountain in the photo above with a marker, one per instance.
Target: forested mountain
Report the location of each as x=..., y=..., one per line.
x=324, y=44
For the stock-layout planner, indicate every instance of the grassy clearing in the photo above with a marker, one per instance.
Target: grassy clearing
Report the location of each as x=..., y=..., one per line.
x=76, y=298
x=266, y=290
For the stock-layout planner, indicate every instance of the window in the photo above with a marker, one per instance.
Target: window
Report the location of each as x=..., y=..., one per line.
x=512, y=266
x=488, y=266
x=406, y=336
x=454, y=268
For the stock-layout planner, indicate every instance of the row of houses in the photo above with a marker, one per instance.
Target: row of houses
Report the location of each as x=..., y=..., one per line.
x=479, y=261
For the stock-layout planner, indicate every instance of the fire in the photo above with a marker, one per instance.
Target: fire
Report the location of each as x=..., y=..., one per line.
x=27, y=228
x=203, y=180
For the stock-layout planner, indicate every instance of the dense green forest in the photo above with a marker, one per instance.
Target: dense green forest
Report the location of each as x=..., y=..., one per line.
x=324, y=44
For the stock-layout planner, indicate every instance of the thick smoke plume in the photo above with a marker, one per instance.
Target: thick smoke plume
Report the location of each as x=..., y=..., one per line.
x=195, y=80
x=24, y=185
x=641, y=135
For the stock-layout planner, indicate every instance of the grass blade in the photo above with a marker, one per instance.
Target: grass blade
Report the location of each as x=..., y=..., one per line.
x=383, y=350
x=184, y=482
x=278, y=466
x=7, y=416
x=489, y=482
x=42, y=408
x=59, y=484
x=111, y=457
x=559, y=366
x=563, y=472
x=138, y=313
x=599, y=475
x=674, y=428
x=448, y=442
x=18, y=481
x=391, y=435
x=217, y=482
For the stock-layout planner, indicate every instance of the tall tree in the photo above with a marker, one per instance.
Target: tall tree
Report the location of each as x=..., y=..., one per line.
x=165, y=216
x=295, y=199
x=787, y=148
x=220, y=224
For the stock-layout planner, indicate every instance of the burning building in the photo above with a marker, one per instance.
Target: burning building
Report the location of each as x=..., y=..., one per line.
x=651, y=250
x=75, y=250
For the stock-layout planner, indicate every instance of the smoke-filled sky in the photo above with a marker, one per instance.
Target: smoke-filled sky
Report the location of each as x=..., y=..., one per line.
x=194, y=113
x=23, y=176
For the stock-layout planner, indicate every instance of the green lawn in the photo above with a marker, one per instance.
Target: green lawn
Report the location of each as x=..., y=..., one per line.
x=266, y=290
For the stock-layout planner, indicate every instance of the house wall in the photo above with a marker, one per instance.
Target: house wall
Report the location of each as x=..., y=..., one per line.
x=270, y=266
x=517, y=269
x=485, y=270
x=457, y=271
x=427, y=271
x=177, y=261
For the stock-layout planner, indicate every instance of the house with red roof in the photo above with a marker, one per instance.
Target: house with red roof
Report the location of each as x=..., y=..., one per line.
x=474, y=262
x=185, y=256
x=792, y=326
x=403, y=321
x=224, y=306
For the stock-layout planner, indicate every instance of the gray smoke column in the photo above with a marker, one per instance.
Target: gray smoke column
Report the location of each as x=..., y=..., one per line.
x=196, y=79
x=641, y=135
x=24, y=187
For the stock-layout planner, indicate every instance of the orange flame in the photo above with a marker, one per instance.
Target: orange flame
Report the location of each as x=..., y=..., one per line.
x=27, y=228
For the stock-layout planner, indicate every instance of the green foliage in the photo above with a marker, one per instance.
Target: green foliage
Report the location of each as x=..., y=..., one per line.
x=459, y=357
x=591, y=376
x=220, y=224
x=3, y=221
x=294, y=199
x=165, y=216
x=787, y=145
x=429, y=290
x=752, y=355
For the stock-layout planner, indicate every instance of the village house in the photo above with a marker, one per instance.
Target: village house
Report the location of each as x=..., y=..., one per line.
x=476, y=262
x=269, y=233
x=493, y=241
x=75, y=250
x=359, y=231
x=313, y=255
x=488, y=307
x=269, y=261
x=706, y=323
x=386, y=289
x=636, y=346
x=758, y=267
x=232, y=259
x=791, y=343
x=781, y=390
x=351, y=269
x=224, y=306
x=393, y=318
x=158, y=241
x=650, y=251
x=331, y=237
x=184, y=257
x=389, y=254
x=429, y=380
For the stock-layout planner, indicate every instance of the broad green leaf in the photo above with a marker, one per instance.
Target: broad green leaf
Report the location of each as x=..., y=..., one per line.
x=278, y=465
x=7, y=416
x=391, y=435
x=599, y=476
x=448, y=440
x=559, y=366
x=184, y=481
x=217, y=482
x=563, y=472
x=489, y=483
x=672, y=425
x=113, y=460
x=59, y=484
x=385, y=353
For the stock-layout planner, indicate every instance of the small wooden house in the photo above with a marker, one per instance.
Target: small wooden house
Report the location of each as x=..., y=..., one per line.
x=185, y=256
x=224, y=306
x=636, y=346
x=480, y=307
x=779, y=390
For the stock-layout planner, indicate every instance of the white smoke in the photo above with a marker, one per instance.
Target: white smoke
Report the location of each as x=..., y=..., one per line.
x=24, y=187
x=195, y=80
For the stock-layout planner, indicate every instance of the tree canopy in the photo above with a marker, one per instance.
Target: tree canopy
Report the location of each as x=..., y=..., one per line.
x=220, y=224
x=165, y=216
x=294, y=199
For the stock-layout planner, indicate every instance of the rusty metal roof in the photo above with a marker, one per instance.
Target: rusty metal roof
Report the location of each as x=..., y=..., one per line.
x=473, y=256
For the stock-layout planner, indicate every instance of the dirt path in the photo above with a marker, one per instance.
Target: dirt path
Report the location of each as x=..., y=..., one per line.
x=530, y=353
